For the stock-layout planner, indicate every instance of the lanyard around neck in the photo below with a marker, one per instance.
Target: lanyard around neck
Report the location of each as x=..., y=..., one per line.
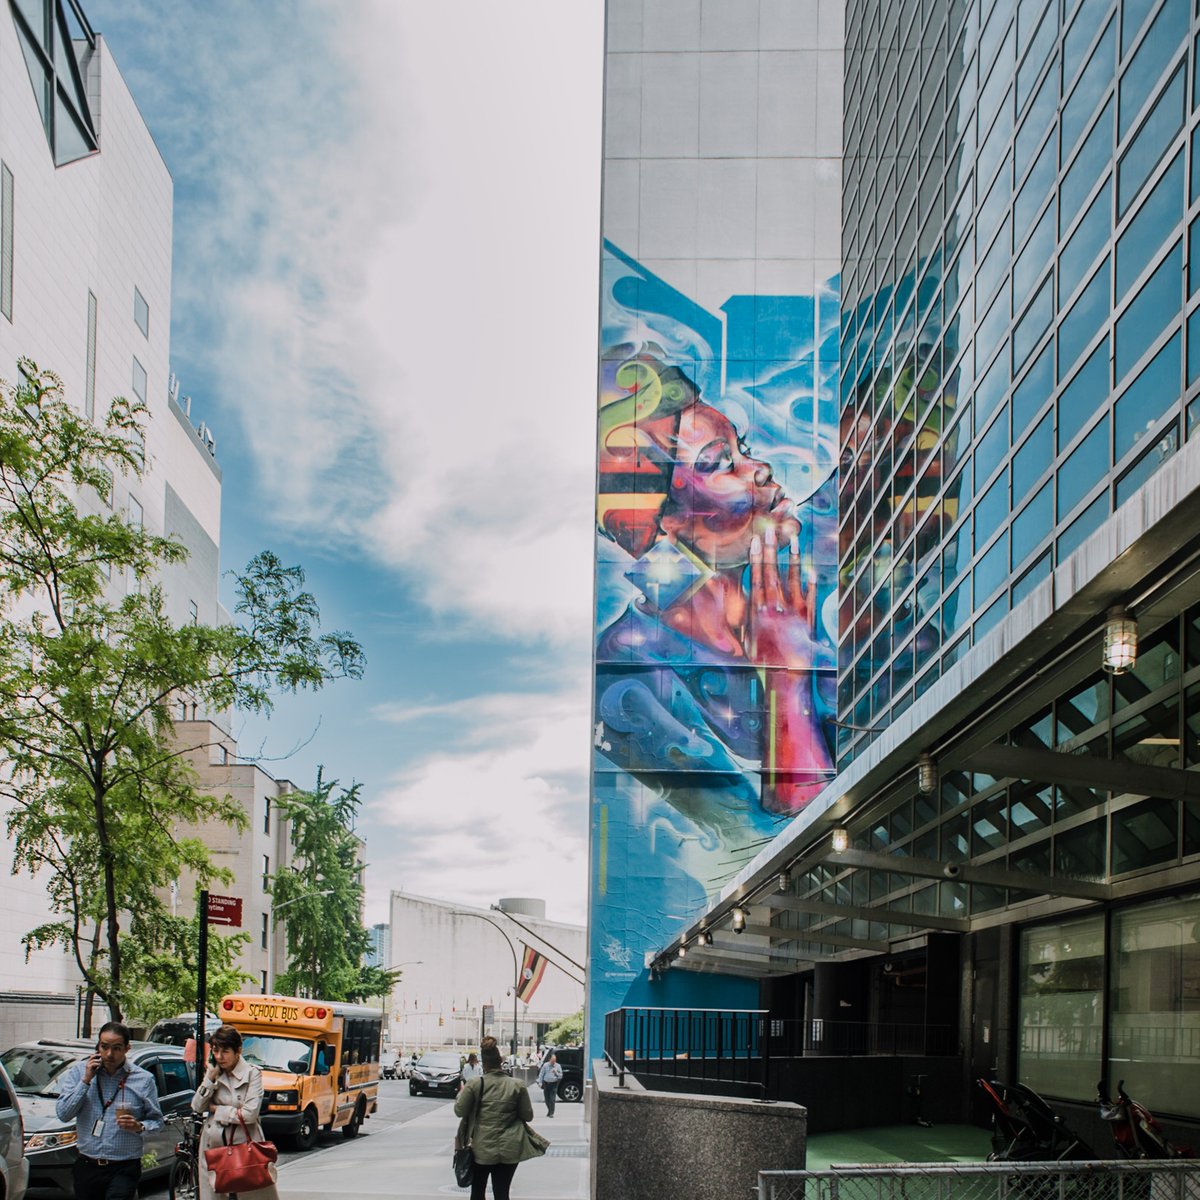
x=105, y=1105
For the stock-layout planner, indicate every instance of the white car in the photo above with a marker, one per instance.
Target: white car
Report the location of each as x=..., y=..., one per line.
x=14, y=1166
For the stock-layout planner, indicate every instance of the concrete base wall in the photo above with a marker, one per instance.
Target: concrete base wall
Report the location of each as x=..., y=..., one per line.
x=644, y=1143
x=26, y=1017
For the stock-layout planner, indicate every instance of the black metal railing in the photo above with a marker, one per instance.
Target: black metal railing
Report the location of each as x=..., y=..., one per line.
x=847, y=1039
x=700, y=1045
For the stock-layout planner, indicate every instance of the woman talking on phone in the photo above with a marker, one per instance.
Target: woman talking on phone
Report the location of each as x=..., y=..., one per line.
x=231, y=1096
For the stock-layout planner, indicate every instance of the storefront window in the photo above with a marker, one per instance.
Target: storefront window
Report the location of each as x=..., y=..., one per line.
x=1155, y=1004
x=1061, y=1007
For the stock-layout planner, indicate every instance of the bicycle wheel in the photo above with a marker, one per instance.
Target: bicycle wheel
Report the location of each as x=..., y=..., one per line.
x=182, y=1185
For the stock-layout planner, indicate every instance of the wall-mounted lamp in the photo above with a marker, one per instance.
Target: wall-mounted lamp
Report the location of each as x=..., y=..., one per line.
x=1120, y=641
x=927, y=775
x=784, y=880
x=682, y=950
x=738, y=920
x=840, y=839
x=706, y=938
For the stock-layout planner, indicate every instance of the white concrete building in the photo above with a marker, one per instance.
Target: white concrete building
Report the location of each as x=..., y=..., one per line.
x=460, y=964
x=85, y=288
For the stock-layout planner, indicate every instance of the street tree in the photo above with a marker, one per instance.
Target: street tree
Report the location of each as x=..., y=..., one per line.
x=323, y=894
x=96, y=784
x=566, y=1032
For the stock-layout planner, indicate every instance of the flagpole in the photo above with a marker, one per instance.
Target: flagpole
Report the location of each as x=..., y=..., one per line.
x=458, y=912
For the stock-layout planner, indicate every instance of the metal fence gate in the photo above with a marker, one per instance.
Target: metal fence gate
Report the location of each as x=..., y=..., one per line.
x=1175, y=1180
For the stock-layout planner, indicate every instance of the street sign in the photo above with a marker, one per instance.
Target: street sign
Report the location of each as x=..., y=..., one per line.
x=225, y=910
x=489, y=1015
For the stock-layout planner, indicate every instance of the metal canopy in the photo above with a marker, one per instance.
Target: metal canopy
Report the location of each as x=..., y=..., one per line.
x=886, y=916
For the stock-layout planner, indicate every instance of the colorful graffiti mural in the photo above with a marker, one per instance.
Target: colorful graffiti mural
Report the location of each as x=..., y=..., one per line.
x=716, y=606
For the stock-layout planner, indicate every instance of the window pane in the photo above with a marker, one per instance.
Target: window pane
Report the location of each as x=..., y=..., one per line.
x=1090, y=237
x=1032, y=525
x=993, y=447
x=1038, y=251
x=1033, y=194
x=1152, y=139
x=1193, y=359
x=1154, y=1013
x=1060, y=1007
x=1096, y=77
x=1032, y=459
x=1156, y=304
x=1084, y=396
x=1034, y=390
x=1083, y=526
x=1147, y=399
x=1032, y=324
x=1039, y=571
x=1154, y=458
x=1155, y=221
x=1087, y=314
x=1095, y=155
x=992, y=510
x=139, y=381
x=1087, y=465
x=1164, y=38
x=1145, y=835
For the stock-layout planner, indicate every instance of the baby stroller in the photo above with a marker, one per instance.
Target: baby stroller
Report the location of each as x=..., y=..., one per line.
x=1026, y=1129
x=1136, y=1132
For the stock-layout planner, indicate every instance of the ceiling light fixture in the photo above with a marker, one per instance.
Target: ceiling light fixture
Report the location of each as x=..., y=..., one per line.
x=1120, y=641
x=738, y=920
x=927, y=775
x=840, y=839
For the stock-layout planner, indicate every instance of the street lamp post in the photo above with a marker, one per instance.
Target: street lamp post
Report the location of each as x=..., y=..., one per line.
x=516, y=969
x=275, y=910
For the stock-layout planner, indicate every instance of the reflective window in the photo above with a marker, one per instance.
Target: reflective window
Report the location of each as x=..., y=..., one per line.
x=994, y=266
x=1084, y=396
x=1155, y=964
x=1032, y=459
x=1194, y=257
x=1038, y=252
x=141, y=312
x=1035, y=59
x=1040, y=569
x=992, y=448
x=1163, y=123
x=1093, y=157
x=1031, y=525
x=1033, y=194
x=1193, y=348
x=1087, y=314
x=1033, y=128
x=1153, y=458
x=991, y=512
x=1060, y=1010
x=1158, y=47
x=1034, y=390
x=1147, y=399
x=1096, y=77
x=1155, y=220
x=1133, y=16
x=1088, y=464
x=1088, y=19
x=1082, y=527
x=1090, y=237
x=993, y=326
x=1155, y=305
x=1032, y=324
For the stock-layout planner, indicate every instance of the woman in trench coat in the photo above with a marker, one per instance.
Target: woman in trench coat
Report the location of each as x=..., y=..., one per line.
x=230, y=1093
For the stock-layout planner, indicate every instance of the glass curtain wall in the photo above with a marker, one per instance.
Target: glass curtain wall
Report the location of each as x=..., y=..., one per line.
x=1021, y=309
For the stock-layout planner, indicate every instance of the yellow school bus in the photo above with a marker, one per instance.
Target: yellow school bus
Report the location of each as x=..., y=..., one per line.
x=319, y=1061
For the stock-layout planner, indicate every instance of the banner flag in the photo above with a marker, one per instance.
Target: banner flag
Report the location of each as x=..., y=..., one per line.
x=533, y=967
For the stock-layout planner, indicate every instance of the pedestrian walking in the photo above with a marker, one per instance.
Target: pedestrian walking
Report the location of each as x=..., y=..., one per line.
x=471, y=1069
x=494, y=1108
x=549, y=1076
x=231, y=1096
x=112, y=1102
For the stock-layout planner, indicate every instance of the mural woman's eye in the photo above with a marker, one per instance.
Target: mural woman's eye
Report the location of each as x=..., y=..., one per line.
x=714, y=459
x=743, y=448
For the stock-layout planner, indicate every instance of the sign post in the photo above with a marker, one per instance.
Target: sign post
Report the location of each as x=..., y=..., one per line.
x=212, y=910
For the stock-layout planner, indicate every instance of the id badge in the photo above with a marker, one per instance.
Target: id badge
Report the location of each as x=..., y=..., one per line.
x=98, y=1127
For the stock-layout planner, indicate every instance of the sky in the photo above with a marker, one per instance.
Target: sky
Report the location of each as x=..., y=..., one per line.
x=385, y=306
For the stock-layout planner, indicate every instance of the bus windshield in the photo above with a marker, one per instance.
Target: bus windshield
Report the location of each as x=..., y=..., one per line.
x=277, y=1053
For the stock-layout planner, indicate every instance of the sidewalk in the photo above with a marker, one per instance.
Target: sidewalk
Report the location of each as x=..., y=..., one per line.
x=412, y=1162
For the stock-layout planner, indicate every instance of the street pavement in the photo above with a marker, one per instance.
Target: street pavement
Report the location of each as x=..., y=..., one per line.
x=408, y=1157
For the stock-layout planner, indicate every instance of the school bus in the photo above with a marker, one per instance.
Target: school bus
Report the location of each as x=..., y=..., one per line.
x=319, y=1061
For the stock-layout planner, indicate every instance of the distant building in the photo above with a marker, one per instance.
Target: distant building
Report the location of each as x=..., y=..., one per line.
x=380, y=952
x=458, y=973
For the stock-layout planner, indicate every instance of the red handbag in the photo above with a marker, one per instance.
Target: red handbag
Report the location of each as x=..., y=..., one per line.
x=241, y=1166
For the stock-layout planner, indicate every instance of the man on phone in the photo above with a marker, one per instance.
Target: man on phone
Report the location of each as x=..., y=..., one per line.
x=113, y=1102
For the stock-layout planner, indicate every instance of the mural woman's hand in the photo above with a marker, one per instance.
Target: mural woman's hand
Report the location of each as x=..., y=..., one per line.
x=781, y=623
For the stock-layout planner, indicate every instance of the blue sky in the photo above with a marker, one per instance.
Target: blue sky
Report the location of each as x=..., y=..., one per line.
x=385, y=306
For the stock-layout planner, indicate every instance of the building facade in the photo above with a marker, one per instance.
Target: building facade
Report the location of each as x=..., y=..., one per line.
x=457, y=974
x=85, y=289
x=1005, y=873
x=716, y=622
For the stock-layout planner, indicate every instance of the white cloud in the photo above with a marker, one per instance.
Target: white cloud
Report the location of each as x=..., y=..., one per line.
x=505, y=814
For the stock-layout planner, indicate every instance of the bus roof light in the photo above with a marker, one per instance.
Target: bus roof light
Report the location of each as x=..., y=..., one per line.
x=227, y=1005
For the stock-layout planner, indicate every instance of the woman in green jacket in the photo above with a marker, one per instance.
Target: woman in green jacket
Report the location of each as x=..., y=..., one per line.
x=494, y=1110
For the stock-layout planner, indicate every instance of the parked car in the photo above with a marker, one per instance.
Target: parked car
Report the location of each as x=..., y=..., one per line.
x=389, y=1064
x=178, y=1031
x=36, y=1070
x=570, y=1058
x=14, y=1166
x=436, y=1071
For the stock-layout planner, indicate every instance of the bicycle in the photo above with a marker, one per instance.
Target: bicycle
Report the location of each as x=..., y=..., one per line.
x=184, y=1183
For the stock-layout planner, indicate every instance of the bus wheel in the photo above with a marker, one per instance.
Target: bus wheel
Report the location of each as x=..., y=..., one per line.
x=352, y=1126
x=306, y=1136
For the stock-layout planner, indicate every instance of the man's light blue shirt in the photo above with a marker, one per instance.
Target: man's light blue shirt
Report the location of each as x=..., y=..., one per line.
x=131, y=1087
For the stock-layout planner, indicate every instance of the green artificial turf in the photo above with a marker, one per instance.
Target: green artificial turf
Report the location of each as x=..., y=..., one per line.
x=898, y=1143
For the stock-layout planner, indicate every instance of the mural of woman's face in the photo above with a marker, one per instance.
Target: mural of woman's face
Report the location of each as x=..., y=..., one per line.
x=721, y=497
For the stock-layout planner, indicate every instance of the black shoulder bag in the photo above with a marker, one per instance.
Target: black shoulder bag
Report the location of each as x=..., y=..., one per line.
x=464, y=1156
